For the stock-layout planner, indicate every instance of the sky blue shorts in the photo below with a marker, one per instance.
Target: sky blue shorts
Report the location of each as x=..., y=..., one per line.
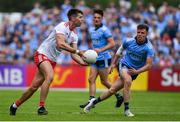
x=123, y=66
x=100, y=64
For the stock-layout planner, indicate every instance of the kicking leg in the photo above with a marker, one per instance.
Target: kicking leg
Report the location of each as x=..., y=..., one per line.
x=114, y=88
x=104, y=80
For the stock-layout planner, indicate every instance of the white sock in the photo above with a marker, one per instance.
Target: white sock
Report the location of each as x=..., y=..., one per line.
x=14, y=105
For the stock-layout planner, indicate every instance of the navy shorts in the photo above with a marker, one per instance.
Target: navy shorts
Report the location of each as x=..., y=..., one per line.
x=100, y=64
x=122, y=66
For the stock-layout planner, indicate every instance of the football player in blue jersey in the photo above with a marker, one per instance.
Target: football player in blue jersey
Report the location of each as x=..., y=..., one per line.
x=137, y=59
x=102, y=42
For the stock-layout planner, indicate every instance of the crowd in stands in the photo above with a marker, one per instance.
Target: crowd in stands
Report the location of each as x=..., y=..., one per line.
x=19, y=40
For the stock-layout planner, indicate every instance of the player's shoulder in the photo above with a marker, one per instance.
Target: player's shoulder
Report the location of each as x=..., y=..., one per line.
x=62, y=24
x=129, y=40
x=104, y=28
x=149, y=44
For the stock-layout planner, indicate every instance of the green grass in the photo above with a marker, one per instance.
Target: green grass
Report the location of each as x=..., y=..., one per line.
x=63, y=105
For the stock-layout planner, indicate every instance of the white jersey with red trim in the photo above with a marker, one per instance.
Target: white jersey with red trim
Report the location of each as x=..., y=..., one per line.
x=49, y=46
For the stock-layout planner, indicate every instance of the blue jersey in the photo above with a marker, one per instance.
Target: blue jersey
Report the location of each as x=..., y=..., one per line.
x=136, y=54
x=99, y=38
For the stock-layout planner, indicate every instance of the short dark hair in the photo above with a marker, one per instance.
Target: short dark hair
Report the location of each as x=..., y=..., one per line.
x=98, y=11
x=73, y=12
x=143, y=26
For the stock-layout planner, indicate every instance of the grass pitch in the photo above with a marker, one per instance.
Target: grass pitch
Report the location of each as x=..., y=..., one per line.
x=64, y=106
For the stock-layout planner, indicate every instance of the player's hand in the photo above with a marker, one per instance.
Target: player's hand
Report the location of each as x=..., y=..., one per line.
x=80, y=53
x=97, y=50
x=132, y=71
x=84, y=63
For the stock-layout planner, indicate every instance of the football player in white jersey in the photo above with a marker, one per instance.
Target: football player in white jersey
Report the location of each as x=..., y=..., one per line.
x=62, y=37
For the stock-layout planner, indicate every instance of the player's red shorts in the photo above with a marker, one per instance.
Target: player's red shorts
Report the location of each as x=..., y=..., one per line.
x=39, y=58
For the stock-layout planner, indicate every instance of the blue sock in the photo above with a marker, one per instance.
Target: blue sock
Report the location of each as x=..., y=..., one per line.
x=126, y=105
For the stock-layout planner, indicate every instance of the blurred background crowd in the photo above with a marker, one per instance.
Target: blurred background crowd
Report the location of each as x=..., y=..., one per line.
x=21, y=35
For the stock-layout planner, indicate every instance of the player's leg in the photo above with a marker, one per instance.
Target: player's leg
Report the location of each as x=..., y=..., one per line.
x=103, y=73
x=36, y=83
x=48, y=72
x=92, y=81
x=92, y=84
x=126, y=92
x=114, y=88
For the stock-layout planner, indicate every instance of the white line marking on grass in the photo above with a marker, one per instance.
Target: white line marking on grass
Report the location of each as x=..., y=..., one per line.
x=100, y=113
x=53, y=89
x=158, y=113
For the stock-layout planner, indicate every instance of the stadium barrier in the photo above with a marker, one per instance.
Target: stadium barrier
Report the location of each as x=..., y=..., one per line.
x=164, y=79
x=74, y=76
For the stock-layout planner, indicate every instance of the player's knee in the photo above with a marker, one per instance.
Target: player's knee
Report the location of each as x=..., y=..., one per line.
x=49, y=78
x=90, y=80
x=112, y=90
x=128, y=83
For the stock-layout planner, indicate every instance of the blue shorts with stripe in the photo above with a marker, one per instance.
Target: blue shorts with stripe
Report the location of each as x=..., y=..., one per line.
x=123, y=66
x=100, y=64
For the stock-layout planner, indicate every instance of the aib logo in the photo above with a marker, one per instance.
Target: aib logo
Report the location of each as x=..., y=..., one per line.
x=11, y=76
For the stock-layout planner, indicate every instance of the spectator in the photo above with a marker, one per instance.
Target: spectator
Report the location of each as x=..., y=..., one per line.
x=122, y=19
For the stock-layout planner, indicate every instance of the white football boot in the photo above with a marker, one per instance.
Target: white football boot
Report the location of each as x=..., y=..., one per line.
x=89, y=105
x=128, y=113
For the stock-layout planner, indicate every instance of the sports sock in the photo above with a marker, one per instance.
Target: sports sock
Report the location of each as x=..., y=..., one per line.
x=17, y=104
x=41, y=104
x=90, y=97
x=97, y=100
x=14, y=105
x=126, y=105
